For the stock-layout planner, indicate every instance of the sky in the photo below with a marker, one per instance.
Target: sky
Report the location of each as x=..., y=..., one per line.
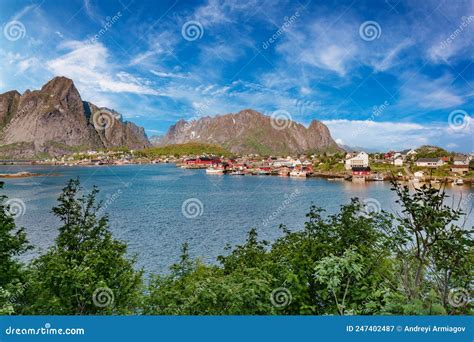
x=384, y=75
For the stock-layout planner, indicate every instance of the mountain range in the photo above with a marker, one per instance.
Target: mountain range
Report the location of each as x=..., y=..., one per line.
x=54, y=121
x=249, y=131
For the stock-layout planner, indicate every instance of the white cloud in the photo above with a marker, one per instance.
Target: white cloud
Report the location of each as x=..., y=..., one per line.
x=388, y=61
x=323, y=46
x=28, y=63
x=419, y=91
x=453, y=43
x=332, y=57
x=165, y=74
x=22, y=12
x=395, y=135
x=213, y=12
x=88, y=65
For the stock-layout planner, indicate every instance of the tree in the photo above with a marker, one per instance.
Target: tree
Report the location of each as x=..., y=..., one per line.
x=436, y=253
x=13, y=243
x=338, y=274
x=193, y=288
x=86, y=271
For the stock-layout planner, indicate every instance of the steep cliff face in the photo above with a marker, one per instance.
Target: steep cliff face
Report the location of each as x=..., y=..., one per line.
x=252, y=132
x=55, y=119
x=8, y=106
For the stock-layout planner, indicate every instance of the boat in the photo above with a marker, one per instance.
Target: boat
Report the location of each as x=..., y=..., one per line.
x=378, y=177
x=459, y=181
x=214, y=171
x=297, y=173
x=237, y=173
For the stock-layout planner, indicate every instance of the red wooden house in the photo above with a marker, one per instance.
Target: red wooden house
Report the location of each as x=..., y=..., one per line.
x=361, y=171
x=203, y=161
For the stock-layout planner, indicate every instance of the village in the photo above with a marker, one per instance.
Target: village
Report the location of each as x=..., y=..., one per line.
x=355, y=166
x=408, y=165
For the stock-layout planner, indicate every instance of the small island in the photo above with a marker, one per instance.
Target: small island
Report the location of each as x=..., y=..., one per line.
x=21, y=174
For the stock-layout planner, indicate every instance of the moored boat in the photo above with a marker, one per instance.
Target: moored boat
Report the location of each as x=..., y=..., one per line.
x=237, y=173
x=298, y=173
x=459, y=181
x=214, y=171
x=378, y=177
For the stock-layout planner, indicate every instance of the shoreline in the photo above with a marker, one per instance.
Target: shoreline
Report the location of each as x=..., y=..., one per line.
x=328, y=175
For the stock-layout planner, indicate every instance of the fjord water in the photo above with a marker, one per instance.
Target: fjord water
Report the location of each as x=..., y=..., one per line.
x=144, y=204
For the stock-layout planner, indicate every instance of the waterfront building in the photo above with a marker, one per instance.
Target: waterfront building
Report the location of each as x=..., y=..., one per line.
x=429, y=162
x=360, y=160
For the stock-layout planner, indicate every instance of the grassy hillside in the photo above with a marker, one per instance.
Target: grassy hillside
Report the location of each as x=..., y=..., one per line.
x=427, y=151
x=178, y=150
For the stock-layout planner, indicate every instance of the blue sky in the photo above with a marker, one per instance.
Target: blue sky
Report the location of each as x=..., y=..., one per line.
x=381, y=74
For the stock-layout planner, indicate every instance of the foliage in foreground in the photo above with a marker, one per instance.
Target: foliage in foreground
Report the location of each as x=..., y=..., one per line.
x=86, y=271
x=352, y=262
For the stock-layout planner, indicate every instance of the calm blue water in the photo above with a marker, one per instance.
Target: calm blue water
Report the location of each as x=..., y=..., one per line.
x=145, y=206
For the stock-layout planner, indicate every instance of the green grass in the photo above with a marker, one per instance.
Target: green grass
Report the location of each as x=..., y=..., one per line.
x=379, y=167
x=442, y=171
x=330, y=167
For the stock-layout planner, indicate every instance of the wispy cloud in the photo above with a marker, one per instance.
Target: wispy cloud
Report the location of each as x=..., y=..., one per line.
x=384, y=136
x=420, y=91
x=316, y=68
x=88, y=64
x=390, y=57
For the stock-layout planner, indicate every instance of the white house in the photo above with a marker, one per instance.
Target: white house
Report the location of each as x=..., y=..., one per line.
x=398, y=161
x=418, y=174
x=283, y=162
x=461, y=160
x=296, y=163
x=429, y=162
x=360, y=160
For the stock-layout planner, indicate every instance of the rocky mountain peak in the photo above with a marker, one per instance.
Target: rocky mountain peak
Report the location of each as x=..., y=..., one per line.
x=249, y=131
x=55, y=120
